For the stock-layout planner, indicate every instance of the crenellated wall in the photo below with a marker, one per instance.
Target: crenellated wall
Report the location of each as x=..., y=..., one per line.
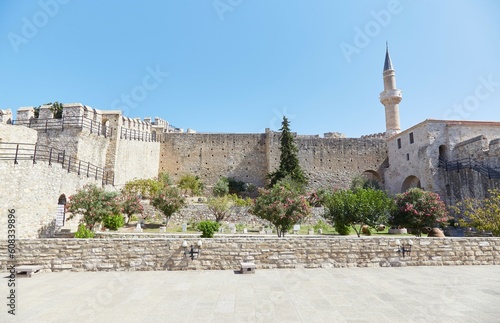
x=269, y=252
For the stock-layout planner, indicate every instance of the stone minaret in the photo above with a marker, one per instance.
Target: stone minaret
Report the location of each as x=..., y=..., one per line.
x=390, y=98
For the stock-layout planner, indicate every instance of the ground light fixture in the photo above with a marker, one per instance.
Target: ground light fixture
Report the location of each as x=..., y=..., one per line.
x=193, y=252
x=404, y=248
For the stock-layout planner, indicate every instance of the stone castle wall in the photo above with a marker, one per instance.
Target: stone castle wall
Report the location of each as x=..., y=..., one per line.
x=328, y=162
x=136, y=159
x=268, y=252
x=33, y=191
x=210, y=156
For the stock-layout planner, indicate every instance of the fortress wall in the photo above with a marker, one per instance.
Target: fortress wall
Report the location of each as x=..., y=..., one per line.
x=249, y=157
x=222, y=253
x=135, y=159
x=77, y=144
x=467, y=183
x=16, y=134
x=330, y=162
x=33, y=190
x=210, y=156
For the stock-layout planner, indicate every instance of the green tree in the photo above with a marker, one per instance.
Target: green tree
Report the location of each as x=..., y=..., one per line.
x=289, y=162
x=147, y=188
x=168, y=201
x=416, y=209
x=192, y=183
x=57, y=109
x=280, y=206
x=221, y=188
x=222, y=206
x=357, y=208
x=94, y=204
x=481, y=214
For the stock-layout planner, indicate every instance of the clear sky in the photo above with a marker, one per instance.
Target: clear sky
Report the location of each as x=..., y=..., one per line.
x=239, y=65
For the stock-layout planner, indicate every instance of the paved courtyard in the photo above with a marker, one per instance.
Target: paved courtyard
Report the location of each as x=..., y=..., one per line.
x=410, y=294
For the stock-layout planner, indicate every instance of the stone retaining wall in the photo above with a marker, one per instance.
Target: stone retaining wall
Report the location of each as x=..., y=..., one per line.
x=265, y=252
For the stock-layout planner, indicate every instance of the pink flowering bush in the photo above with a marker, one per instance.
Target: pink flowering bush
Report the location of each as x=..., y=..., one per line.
x=280, y=206
x=94, y=203
x=417, y=209
x=130, y=204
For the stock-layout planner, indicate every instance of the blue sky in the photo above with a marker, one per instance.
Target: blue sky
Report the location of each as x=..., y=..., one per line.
x=239, y=65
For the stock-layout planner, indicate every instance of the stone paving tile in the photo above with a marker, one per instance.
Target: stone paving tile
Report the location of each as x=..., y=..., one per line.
x=411, y=294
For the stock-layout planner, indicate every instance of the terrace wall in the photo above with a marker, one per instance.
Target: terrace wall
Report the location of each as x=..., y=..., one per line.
x=265, y=252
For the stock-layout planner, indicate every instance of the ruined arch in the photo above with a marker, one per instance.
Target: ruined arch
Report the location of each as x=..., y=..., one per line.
x=410, y=182
x=372, y=175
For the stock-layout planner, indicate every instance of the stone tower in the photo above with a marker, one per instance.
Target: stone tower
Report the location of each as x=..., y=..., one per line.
x=390, y=97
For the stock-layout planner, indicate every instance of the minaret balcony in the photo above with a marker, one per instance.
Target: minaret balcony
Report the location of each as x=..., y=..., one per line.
x=391, y=94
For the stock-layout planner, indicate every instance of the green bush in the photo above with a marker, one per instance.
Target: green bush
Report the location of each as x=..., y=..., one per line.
x=208, y=228
x=113, y=222
x=342, y=228
x=83, y=232
x=221, y=188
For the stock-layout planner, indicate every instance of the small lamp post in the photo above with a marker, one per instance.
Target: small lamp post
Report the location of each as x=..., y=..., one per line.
x=193, y=252
x=404, y=248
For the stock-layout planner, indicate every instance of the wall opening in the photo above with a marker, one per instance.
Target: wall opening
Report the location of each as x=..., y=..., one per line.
x=61, y=211
x=105, y=126
x=443, y=152
x=374, y=178
x=410, y=182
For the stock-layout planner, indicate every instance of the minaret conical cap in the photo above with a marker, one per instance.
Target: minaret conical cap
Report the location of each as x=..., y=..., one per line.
x=388, y=62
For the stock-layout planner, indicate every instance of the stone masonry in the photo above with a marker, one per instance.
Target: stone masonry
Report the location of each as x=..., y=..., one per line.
x=268, y=252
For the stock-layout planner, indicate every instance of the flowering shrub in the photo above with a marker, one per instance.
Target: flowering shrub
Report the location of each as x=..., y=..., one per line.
x=168, y=201
x=280, y=206
x=94, y=204
x=130, y=205
x=417, y=209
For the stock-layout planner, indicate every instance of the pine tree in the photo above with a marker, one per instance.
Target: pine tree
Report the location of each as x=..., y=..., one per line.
x=289, y=162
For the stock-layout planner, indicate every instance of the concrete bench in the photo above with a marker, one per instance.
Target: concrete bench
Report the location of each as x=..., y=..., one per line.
x=247, y=268
x=29, y=270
